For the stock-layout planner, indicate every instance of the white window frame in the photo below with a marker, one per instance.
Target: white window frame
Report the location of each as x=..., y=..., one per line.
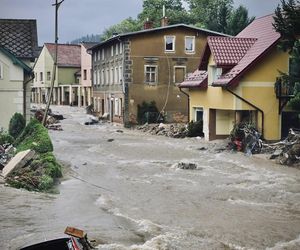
x=98, y=57
x=48, y=76
x=174, y=72
x=155, y=74
x=193, y=45
x=198, y=109
x=116, y=108
x=112, y=50
x=165, y=43
x=95, y=77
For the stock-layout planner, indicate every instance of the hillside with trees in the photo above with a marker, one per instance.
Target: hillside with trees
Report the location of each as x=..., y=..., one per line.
x=216, y=15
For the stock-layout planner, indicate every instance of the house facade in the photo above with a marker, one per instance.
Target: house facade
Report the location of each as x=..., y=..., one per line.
x=237, y=82
x=67, y=89
x=145, y=66
x=18, y=50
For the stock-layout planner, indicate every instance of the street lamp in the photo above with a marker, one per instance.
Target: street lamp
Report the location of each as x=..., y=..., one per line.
x=57, y=5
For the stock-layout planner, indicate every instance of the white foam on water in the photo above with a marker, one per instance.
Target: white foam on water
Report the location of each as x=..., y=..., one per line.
x=289, y=245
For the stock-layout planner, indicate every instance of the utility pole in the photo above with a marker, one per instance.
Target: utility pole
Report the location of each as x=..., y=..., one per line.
x=56, y=4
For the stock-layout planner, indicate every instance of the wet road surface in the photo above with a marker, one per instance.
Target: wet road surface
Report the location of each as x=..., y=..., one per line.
x=124, y=189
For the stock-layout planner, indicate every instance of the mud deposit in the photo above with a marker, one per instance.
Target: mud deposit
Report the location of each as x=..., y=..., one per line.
x=126, y=191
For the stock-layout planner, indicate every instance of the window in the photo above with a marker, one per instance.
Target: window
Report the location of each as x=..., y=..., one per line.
x=95, y=56
x=98, y=53
x=189, y=44
x=107, y=76
x=121, y=48
x=117, y=49
x=198, y=114
x=35, y=75
x=112, y=75
x=1, y=71
x=95, y=77
x=116, y=75
x=214, y=74
x=170, y=43
x=120, y=74
x=179, y=74
x=150, y=74
x=102, y=77
x=41, y=76
x=84, y=74
x=99, y=76
x=112, y=50
x=48, y=75
x=102, y=54
x=117, y=112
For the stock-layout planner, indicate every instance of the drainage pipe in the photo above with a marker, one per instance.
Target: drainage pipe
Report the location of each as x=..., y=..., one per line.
x=253, y=106
x=188, y=102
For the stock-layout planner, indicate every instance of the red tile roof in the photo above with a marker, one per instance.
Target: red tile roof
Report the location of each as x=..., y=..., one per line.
x=69, y=55
x=228, y=51
x=198, y=79
x=262, y=30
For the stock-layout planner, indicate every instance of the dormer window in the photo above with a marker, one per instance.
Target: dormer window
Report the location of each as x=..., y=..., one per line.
x=169, y=43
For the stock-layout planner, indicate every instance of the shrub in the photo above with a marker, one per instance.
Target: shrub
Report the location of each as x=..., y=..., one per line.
x=16, y=125
x=6, y=138
x=46, y=182
x=34, y=136
x=195, y=129
x=148, y=112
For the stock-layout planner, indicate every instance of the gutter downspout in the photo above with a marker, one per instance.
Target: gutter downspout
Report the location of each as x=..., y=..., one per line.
x=188, y=96
x=253, y=106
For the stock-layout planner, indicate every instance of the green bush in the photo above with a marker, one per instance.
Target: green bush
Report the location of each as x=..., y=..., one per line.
x=16, y=125
x=34, y=136
x=6, y=138
x=195, y=129
x=46, y=183
x=148, y=112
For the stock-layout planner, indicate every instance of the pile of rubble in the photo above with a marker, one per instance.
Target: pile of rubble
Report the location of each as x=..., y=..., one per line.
x=244, y=137
x=7, y=151
x=287, y=152
x=52, y=121
x=177, y=130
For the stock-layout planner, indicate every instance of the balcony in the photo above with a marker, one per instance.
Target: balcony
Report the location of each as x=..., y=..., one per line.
x=284, y=92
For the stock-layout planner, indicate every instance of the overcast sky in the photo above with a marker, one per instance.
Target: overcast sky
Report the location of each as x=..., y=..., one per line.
x=81, y=17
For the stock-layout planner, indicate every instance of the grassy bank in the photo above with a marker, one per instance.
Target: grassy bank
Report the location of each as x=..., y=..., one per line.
x=40, y=173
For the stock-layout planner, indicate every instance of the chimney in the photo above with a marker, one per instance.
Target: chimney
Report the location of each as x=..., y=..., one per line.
x=148, y=24
x=164, y=21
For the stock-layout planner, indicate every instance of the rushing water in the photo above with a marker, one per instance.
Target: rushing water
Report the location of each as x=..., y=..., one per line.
x=127, y=193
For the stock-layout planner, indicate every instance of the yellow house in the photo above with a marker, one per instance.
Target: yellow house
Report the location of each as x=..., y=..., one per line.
x=235, y=82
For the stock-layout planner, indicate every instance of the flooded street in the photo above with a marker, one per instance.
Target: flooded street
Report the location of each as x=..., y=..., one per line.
x=123, y=188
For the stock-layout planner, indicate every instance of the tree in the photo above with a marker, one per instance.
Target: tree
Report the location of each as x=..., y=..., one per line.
x=127, y=25
x=238, y=20
x=287, y=23
x=153, y=10
x=219, y=15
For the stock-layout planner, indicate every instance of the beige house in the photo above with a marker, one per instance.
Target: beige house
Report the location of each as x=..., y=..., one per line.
x=67, y=86
x=18, y=50
x=146, y=66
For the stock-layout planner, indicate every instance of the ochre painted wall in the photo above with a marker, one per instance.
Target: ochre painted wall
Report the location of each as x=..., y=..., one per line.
x=165, y=93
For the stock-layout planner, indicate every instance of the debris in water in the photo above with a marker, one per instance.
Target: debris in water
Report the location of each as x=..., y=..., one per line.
x=184, y=165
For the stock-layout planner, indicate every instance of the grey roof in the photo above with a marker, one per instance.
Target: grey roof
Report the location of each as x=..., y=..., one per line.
x=209, y=32
x=19, y=36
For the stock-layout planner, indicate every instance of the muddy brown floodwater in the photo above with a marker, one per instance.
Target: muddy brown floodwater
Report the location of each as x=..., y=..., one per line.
x=124, y=189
